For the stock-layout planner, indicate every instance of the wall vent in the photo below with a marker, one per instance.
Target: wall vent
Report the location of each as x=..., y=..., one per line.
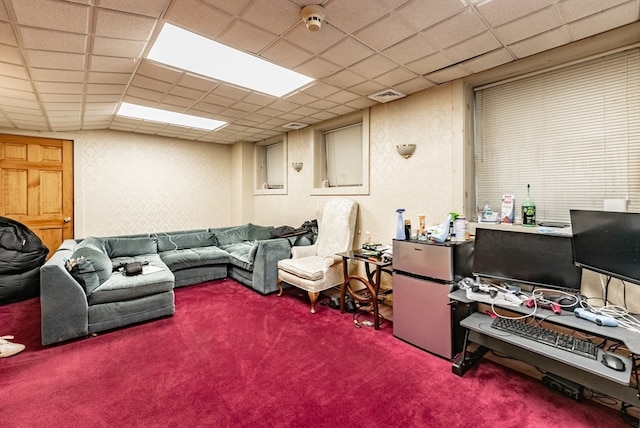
x=387, y=95
x=295, y=125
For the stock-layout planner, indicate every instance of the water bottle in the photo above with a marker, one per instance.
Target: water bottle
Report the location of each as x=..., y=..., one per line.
x=400, y=235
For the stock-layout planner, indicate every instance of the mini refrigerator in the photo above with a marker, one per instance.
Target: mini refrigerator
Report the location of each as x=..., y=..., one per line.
x=424, y=273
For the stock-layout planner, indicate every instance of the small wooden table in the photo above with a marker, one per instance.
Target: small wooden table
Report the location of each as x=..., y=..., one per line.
x=374, y=266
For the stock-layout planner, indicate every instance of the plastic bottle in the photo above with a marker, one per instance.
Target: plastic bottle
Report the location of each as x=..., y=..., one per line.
x=400, y=226
x=528, y=210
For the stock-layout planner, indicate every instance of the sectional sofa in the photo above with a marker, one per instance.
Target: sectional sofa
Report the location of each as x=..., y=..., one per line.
x=83, y=292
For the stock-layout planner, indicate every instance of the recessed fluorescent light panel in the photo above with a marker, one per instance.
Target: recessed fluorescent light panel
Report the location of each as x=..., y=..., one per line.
x=164, y=116
x=188, y=51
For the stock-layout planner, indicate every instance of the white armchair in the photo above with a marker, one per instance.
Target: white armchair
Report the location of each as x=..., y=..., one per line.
x=316, y=268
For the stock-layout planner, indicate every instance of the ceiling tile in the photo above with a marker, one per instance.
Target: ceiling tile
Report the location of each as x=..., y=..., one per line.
x=49, y=40
x=529, y=26
x=278, y=23
x=612, y=18
x=410, y=49
x=367, y=88
x=158, y=71
x=60, y=60
x=499, y=12
x=350, y=16
x=384, y=33
x=9, y=54
x=145, y=94
x=198, y=17
x=192, y=94
x=321, y=90
x=315, y=42
x=60, y=88
x=46, y=75
x=572, y=10
x=230, y=91
x=52, y=14
x=345, y=79
x=13, y=70
x=144, y=82
x=111, y=64
x=7, y=37
x=429, y=64
x=347, y=52
x=232, y=7
x=317, y=68
x=246, y=37
x=374, y=66
x=421, y=14
x=395, y=77
x=475, y=46
x=149, y=8
x=447, y=74
x=456, y=29
x=173, y=100
x=540, y=43
x=286, y=54
x=94, y=88
x=98, y=77
x=488, y=60
x=61, y=98
x=117, y=47
x=197, y=82
x=120, y=25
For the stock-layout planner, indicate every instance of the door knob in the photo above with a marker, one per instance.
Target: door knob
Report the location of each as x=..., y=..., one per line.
x=67, y=219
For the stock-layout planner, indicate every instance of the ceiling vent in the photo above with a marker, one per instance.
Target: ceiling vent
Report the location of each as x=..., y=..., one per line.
x=387, y=95
x=295, y=125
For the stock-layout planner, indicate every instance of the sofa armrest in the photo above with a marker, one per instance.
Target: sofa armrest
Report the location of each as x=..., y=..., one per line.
x=63, y=301
x=304, y=251
x=265, y=264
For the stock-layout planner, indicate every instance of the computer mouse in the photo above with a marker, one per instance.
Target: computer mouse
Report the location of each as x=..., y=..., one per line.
x=613, y=362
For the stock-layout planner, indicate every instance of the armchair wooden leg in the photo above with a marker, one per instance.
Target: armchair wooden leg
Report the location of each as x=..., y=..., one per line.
x=279, y=283
x=313, y=296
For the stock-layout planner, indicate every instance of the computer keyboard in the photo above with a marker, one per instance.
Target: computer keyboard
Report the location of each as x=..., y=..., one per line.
x=547, y=337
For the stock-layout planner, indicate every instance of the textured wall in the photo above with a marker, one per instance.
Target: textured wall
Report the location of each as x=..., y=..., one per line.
x=131, y=183
x=422, y=184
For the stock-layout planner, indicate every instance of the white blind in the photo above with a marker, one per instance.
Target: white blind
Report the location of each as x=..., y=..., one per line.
x=573, y=134
x=344, y=155
x=274, y=155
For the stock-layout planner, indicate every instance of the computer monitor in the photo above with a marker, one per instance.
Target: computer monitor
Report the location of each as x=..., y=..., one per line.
x=536, y=259
x=607, y=242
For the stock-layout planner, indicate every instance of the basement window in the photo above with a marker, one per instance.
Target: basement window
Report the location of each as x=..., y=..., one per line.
x=341, y=156
x=270, y=166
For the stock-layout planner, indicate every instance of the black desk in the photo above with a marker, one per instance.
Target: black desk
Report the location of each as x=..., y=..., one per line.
x=582, y=370
x=371, y=282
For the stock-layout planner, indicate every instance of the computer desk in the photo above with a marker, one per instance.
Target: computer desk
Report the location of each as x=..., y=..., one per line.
x=581, y=370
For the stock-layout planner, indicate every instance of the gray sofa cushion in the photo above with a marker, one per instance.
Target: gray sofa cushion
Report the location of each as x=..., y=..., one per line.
x=242, y=254
x=179, y=241
x=194, y=257
x=233, y=235
x=120, y=288
x=257, y=233
x=94, y=270
x=130, y=247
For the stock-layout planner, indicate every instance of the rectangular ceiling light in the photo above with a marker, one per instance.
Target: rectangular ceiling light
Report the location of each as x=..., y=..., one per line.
x=188, y=51
x=164, y=116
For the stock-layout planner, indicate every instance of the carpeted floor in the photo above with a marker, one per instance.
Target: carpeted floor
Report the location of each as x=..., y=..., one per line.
x=230, y=357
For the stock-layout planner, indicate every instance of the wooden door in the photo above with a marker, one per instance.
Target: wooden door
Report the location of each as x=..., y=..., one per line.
x=36, y=178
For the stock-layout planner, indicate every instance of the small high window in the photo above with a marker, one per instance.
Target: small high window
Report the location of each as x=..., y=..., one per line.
x=341, y=156
x=271, y=172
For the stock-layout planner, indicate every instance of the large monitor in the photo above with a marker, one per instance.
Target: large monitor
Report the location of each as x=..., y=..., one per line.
x=536, y=259
x=607, y=242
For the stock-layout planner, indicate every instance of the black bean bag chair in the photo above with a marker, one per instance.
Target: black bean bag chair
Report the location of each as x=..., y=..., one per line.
x=21, y=255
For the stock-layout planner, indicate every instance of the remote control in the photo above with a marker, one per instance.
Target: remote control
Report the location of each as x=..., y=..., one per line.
x=602, y=320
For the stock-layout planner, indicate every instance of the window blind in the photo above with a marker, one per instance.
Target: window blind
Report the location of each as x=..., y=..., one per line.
x=572, y=133
x=344, y=155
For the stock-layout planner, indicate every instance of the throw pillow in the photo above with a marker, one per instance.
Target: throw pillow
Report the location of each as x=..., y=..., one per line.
x=258, y=233
x=233, y=235
x=94, y=268
x=180, y=241
x=130, y=247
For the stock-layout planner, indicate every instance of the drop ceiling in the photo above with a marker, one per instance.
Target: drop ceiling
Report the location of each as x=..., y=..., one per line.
x=67, y=65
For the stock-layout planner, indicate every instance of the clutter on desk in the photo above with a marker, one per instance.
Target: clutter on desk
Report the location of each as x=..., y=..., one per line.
x=507, y=213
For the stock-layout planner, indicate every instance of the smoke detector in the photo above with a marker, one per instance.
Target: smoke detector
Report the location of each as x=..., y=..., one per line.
x=313, y=15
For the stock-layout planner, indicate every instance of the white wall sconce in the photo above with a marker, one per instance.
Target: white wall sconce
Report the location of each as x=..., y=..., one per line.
x=406, y=150
x=297, y=166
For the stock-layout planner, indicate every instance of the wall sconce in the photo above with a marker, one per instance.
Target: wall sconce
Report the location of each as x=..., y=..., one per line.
x=406, y=150
x=297, y=166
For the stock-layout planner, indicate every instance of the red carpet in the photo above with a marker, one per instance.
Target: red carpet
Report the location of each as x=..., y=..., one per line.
x=233, y=358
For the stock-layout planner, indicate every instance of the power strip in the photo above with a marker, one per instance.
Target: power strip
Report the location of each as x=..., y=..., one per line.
x=563, y=386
